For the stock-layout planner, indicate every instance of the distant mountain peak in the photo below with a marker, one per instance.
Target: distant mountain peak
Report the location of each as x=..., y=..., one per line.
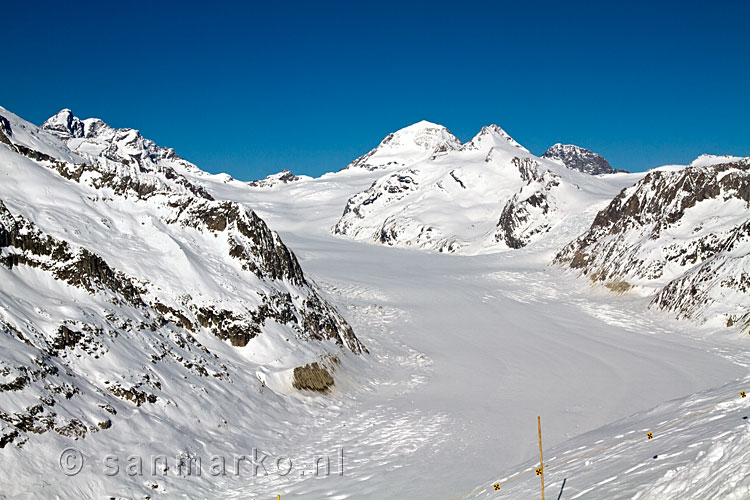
x=424, y=135
x=578, y=158
x=273, y=180
x=422, y=124
x=64, y=124
x=494, y=129
x=707, y=160
x=492, y=136
x=416, y=142
x=122, y=142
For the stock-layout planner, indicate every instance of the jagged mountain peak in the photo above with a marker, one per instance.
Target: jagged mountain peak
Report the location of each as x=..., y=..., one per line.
x=64, y=125
x=92, y=138
x=578, y=158
x=63, y=114
x=494, y=129
x=492, y=136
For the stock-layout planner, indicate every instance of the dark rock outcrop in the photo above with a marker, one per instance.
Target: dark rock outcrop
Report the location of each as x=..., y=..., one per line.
x=581, y=159
x=312, y=377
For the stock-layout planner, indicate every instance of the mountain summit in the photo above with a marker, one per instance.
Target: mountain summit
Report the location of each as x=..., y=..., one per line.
x=578, y=158
x=492, y=136
x=486, y=195
x=411, y=144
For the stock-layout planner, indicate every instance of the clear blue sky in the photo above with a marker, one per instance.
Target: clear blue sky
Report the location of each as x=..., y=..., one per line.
x=254, y=88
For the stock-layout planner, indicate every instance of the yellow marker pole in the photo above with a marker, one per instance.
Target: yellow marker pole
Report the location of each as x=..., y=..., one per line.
x=541, y=460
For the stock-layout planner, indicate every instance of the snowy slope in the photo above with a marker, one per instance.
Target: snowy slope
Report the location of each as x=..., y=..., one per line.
x=486, y=195
x=682, y=233
x=128, y=290
x=699, y=450
x=493, y=340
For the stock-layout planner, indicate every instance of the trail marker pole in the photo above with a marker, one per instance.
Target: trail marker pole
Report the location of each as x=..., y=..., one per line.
x=541, y=460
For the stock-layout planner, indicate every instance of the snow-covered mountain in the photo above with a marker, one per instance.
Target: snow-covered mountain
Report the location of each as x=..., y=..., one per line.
x=529, y=335
x=409, y=145
x=488, y=194
x=683, y=232
x=146, y=311
x=580, y=159
x=125, y=285
x=92, y=138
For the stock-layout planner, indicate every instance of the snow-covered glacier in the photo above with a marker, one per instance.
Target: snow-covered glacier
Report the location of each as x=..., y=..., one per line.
x=149, y=308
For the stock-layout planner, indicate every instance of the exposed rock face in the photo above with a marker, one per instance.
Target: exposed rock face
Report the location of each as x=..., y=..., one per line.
x=682, y=232
x=25, y=245
x=283, y=177
x=65, y=125
x=578, y=158
x=528, y=212
x=142, y=272
x=5, y=129
x=313, y=377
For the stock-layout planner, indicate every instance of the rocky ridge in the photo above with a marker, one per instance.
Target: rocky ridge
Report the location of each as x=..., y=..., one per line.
x=581, y=159
x=126, y=273
x=681, y=233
